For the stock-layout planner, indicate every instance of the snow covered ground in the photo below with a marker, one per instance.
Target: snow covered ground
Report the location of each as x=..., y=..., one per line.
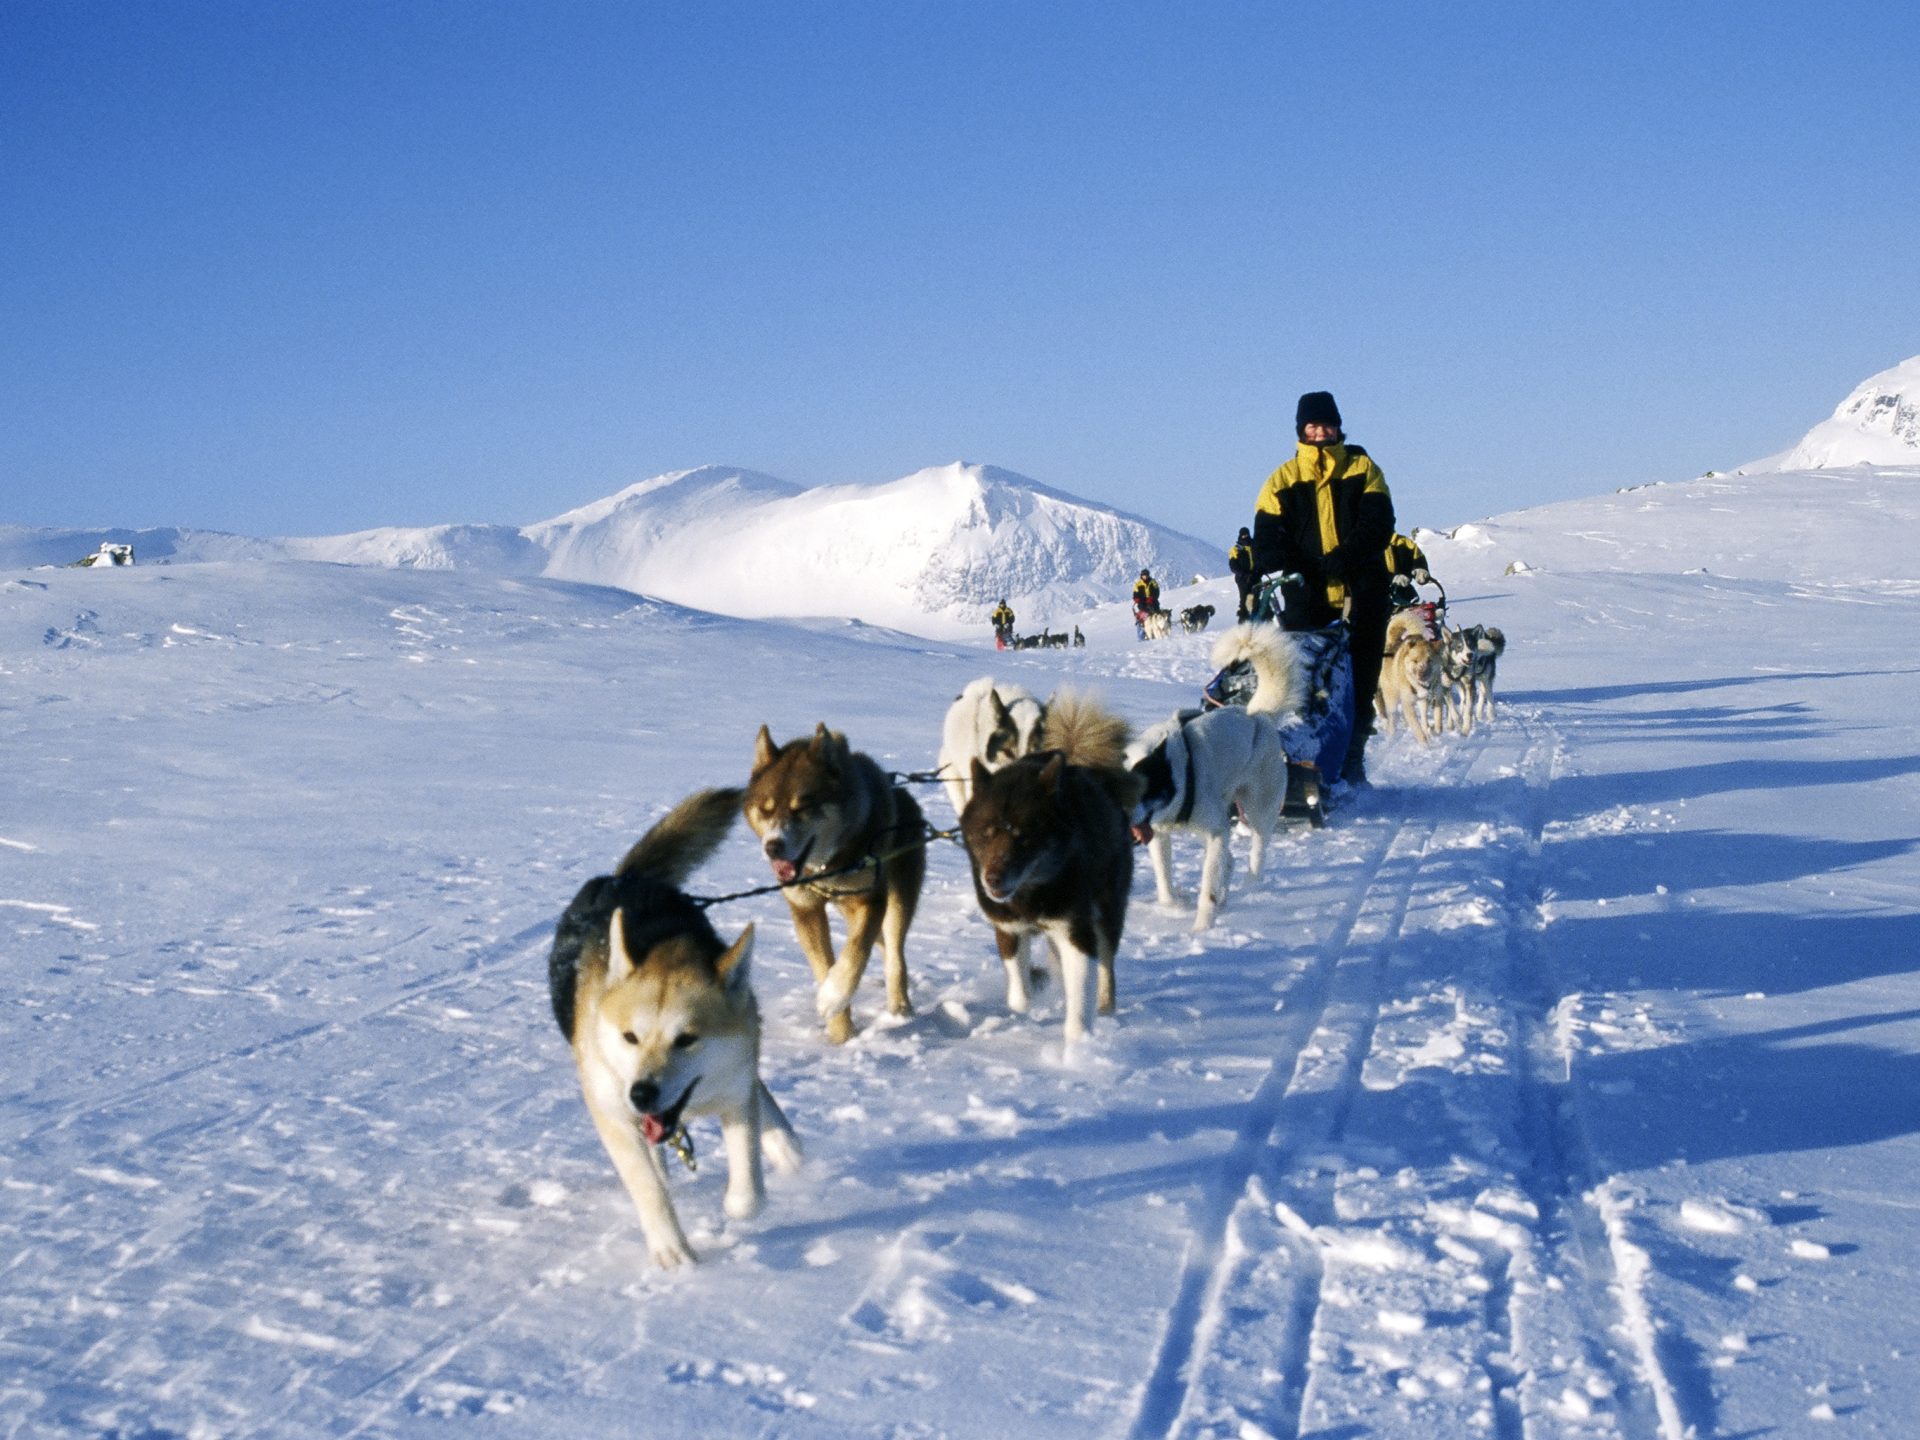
x=1568, y=1085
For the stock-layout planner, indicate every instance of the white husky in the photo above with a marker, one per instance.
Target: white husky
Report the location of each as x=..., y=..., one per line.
x=994, y=723
x=1197, y=768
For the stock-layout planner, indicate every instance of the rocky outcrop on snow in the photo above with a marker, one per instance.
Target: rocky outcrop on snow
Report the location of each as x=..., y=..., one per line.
x=1878, y=424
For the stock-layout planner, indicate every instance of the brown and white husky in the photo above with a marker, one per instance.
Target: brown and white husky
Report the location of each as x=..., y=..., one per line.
x=824, y=809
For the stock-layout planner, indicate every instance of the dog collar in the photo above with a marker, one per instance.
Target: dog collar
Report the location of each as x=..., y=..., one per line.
x=682, y=1144
x=836, y=892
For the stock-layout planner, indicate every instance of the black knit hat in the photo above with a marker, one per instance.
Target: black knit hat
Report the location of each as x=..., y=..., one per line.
x=1316, y=407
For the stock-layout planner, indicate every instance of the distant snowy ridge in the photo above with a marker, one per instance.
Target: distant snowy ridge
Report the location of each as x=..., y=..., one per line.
x=934, y=550
x=1878, y=424
x=931, y=553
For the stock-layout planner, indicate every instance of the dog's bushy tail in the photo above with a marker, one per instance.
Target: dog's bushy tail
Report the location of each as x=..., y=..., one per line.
x=686, y=835
x=1276, y=664
x=1085, y=731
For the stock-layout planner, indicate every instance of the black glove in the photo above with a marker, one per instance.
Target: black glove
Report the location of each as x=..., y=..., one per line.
x=1334, y=564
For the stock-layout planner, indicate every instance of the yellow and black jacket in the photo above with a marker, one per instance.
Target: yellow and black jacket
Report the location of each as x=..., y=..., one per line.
x=1002, y=616
x=1325, y=513
x=1404, y=557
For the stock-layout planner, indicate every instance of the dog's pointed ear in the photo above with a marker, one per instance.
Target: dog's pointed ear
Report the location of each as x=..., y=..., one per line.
x=831, y=746
x=620, y=961
x=1050, y=772
x=733, y=966
x=763, y=750
x=1001, y=715
x=980, y=773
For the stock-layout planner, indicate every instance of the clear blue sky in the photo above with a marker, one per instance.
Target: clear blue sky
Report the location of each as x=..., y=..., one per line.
x=305, y=268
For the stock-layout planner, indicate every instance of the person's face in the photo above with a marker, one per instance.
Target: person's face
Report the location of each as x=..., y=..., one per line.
x=1315, y=433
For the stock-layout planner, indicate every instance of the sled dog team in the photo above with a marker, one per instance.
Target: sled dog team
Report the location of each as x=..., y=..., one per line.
x=1436, y=678
x=1051, y=796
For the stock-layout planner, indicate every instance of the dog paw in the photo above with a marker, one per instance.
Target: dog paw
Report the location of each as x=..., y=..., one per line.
x=743, y=1204
x=671, y=1252
x=834, y=995
x=782, y=1151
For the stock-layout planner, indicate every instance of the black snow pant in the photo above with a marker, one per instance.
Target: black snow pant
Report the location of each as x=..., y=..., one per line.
x=1248, y=585
x=1367, y=623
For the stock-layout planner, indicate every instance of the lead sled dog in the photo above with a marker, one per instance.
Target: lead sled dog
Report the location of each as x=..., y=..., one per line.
x=663, y=1023
x=1196, y=769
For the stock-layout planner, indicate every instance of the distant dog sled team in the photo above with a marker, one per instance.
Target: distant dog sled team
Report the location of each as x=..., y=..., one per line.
x=1050, y=797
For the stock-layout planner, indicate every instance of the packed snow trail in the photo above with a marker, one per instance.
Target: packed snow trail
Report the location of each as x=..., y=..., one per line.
x=1340, y=1273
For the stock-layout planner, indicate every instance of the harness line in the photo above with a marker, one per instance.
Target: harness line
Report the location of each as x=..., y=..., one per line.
x=871, y=859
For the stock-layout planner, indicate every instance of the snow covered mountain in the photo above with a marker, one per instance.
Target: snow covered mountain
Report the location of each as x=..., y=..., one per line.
x=930, y=553
x=1878, y=424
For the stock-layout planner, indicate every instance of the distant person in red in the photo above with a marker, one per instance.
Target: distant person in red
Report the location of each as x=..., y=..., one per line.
x=1326, y=515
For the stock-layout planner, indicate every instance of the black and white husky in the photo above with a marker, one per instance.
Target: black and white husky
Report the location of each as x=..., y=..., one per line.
x=1198, y=768
x=1470, y=658
x=993, y=722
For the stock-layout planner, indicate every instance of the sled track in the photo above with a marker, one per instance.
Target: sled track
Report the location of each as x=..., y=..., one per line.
x=1619, y=1341
x=1249, y=1300
x=1306, y=1109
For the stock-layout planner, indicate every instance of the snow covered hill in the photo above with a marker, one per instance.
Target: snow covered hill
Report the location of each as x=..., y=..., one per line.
x=930, y=553
x=1878, y=424
x=1562, y=1088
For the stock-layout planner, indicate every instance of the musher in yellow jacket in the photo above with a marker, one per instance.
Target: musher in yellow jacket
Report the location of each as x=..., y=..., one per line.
x=1405, y=557
x=1326, y=516
x=1002, y=618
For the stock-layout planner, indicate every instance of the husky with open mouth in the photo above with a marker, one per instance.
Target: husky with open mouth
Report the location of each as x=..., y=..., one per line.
x=837, y=831
x=663, y=1022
